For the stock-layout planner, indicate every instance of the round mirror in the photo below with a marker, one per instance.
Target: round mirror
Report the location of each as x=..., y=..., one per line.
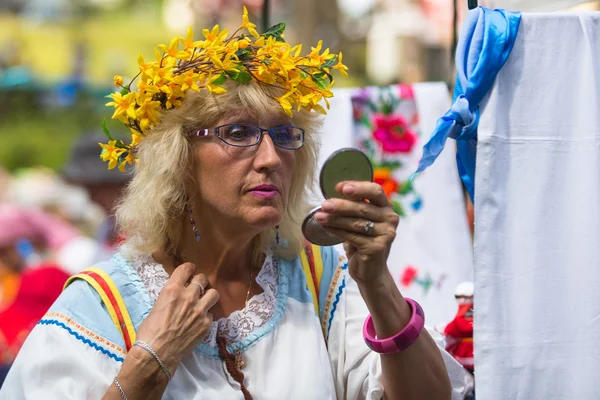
x=315, y=233
x=344, y=165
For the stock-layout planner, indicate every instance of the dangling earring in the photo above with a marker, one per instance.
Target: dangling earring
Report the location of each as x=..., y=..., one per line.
x=277, y=234
x=193, y=223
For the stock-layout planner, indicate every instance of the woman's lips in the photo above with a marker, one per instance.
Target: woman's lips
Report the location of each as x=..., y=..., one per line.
x=265, y=191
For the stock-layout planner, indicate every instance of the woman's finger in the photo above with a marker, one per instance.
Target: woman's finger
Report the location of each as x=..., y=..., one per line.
x=210, y=298
x=198, y=284
x=353, y=224
x=373, y=192
x=358, y=240
x=183, y=273
x=357, y=209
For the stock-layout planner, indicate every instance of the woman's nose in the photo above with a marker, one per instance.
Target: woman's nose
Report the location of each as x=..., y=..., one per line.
x=267, y=155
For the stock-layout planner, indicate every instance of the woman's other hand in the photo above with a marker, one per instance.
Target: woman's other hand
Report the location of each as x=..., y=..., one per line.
x=180, y=318
x=367, y=227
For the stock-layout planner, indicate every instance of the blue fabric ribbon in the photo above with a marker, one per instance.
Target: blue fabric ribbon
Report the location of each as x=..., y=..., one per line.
x=486, y=40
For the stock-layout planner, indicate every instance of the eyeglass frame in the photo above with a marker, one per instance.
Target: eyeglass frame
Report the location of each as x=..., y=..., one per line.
x=215, y=131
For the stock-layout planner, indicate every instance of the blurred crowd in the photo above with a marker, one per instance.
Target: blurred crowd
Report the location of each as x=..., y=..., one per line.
x=52, y=225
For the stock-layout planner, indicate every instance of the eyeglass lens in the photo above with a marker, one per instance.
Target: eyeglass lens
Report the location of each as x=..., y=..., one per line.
x=287, y=137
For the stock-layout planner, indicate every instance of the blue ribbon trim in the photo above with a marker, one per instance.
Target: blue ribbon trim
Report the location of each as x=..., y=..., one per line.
x=82, y=338
x=486, y=41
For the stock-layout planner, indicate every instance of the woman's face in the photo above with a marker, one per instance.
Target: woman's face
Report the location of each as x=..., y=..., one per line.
x=245, y=186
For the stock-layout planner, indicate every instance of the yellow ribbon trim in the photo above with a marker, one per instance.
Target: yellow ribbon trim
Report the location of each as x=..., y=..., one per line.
x=105, y=299
x=308, y=275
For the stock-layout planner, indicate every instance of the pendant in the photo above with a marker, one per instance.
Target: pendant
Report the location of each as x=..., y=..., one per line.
x=239, y=361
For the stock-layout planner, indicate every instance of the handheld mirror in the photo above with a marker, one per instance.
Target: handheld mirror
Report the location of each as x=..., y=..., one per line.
x=343, y=165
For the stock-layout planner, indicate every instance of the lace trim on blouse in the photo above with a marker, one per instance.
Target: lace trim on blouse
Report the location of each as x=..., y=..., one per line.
x=236, y=327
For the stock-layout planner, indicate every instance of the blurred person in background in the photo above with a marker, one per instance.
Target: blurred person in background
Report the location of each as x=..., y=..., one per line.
x=104, y=187
x=459, y=332
x=38, y=288
x=28, y=238
x=29, y=281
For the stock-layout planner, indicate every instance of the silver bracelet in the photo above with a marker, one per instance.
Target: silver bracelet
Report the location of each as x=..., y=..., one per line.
x=149, y=349
x=116, y=382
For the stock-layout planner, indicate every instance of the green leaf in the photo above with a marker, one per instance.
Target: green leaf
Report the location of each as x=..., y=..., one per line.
x=369, y=148
x=392, y=165
x=319, y=80
x=241, y=76
x=108, y=96
x=232, y=74
x=405, y=188
x=330, y=63
x=124, y=91
x=366, y=122
x=398, y=209
x=387, y=108
x=121, y=158
x=243, y=54
x=105, y=130
x=220, y=80
x=275, y=30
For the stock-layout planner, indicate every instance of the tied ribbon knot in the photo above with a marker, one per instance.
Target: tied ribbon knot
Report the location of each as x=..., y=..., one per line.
x=486, y=41
x=464, y=120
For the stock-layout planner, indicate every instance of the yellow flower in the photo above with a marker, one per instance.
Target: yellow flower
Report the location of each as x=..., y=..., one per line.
x=286, y=104
x=188, y=42
x=118, y=80
x=341, y=67
x=135, y=137
x=173, y=49
x=249, y=25
x=186, y=64
x=215, y=89
x=124, y=105
x=214, y=36
x=129, y=159
x=110, y=153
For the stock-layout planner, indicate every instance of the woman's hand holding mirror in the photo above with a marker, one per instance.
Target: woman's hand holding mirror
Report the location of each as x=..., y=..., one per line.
x=365, y=220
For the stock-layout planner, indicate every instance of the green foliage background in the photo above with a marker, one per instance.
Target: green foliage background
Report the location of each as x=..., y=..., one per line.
x=36, y=132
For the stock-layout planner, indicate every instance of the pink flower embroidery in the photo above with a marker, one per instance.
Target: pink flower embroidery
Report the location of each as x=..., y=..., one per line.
x=394, y=134
x=406, y=92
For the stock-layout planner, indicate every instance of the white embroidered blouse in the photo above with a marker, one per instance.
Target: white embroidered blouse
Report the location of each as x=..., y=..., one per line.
x=74, y=352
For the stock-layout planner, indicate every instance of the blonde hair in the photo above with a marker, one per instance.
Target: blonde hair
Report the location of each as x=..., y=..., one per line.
x=152, y=210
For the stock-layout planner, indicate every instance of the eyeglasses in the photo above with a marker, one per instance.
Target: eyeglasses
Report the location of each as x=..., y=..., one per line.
x=246, y=135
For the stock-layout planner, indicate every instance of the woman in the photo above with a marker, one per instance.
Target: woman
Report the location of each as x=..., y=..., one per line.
x=210, y=272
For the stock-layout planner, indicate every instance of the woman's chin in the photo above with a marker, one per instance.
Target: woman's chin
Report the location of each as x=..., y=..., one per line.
x=264, y=217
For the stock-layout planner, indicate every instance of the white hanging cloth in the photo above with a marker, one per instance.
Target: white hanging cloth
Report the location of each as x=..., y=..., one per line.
x=537, y=222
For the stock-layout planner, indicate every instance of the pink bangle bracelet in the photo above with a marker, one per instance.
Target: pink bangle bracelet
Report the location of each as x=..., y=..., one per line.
x=400, y=341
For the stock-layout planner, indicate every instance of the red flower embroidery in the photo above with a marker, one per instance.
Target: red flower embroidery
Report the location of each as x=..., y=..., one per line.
x=394, y=134
x=409, y=274
x=383, y=178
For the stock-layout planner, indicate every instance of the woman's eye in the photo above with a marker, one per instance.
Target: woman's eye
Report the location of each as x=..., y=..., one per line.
x=238, y=134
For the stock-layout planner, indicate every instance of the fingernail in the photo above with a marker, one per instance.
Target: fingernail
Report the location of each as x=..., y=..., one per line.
x=327, y=206
x=320, y=217
x=349, y=189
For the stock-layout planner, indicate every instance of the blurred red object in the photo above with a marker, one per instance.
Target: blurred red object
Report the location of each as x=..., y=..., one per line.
x=39, y=288
x=459, y=336
x=409, y=274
